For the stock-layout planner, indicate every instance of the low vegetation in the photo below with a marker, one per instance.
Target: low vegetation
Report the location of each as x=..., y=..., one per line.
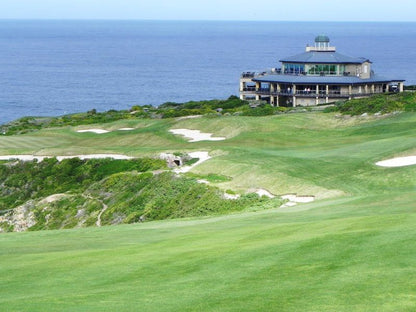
x=233, y=105
x=118, y=191
x=29, y=180
x=379, y=104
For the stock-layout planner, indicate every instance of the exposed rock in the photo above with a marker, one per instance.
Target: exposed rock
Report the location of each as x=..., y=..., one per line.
x=20, y=218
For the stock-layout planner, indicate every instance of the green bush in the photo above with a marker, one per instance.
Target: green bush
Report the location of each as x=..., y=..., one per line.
x=384, y=103
x=31, y=180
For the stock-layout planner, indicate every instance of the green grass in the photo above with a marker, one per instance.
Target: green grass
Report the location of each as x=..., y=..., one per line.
x=347, y=254
x=350, y=250
x=311, y=153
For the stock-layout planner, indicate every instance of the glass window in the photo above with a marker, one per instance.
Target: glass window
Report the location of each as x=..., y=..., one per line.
x=294, y=68
x=322, y=69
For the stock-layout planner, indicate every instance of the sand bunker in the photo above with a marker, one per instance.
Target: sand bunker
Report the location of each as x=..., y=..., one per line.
x=60, y=158
x=196, y=135
x=293, y=200
x=189, y=117
x=101, y=131
x=262, y=192
x=231, y=196
x=398, y=162
x=203, y=156
x=98, y=131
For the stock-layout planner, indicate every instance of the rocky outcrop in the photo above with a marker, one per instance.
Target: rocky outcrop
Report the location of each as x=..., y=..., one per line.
x=18, y=219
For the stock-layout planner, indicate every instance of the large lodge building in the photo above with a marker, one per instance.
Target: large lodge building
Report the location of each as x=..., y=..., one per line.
x=318, y=76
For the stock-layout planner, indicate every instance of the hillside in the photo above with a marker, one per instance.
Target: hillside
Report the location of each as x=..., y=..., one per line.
x=350, y=250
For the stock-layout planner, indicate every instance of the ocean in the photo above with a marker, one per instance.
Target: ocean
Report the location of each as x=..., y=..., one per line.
x=49, y=68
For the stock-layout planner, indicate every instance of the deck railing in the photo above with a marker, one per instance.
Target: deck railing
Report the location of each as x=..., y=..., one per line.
x=265, y=91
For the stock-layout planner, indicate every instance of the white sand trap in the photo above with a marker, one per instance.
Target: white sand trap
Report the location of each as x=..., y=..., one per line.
x=125, y=129
x=397, y=162
x=60, y=158
x=95, y=156
x=288, y=204
x=189, y=117
x=22, y=157
x=202, y=181
x=263, y=192
x=293, y=199
x=98, y=131
x=231, y=196
x=203, y=156
x=196, y=135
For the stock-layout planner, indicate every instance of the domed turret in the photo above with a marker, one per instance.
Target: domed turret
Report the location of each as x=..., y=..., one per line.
x=322, y=42
x=321, y=38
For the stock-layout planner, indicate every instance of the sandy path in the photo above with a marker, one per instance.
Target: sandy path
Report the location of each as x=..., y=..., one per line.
x=105, y=207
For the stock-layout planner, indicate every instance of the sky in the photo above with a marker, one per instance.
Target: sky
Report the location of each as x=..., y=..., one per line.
x=245, y=10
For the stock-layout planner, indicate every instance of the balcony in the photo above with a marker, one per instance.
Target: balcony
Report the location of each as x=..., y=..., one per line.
x=249, y=89
x=248, y=75
x=321, y=93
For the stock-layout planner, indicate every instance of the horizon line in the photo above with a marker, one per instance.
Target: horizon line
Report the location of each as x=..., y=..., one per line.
x=199, y=20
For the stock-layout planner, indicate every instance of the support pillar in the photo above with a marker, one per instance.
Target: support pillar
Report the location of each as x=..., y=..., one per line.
x=401, y=87
x=366, y=89
x=373, y=90
x=294, y=95
x=327, y=93
x=277, y=101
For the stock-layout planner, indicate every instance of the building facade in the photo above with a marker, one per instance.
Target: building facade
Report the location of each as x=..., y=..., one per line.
x=319, y=75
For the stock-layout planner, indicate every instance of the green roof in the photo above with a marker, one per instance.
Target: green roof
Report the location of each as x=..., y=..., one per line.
x=322, y=38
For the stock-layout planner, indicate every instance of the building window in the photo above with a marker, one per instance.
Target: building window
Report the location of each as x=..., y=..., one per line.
x=322, y=69
x=294, y=68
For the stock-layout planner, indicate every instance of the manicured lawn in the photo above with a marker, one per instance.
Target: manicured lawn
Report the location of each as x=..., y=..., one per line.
x=338, y=255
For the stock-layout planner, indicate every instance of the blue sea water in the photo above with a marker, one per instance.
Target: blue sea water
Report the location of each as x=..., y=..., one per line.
x=57, y=67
